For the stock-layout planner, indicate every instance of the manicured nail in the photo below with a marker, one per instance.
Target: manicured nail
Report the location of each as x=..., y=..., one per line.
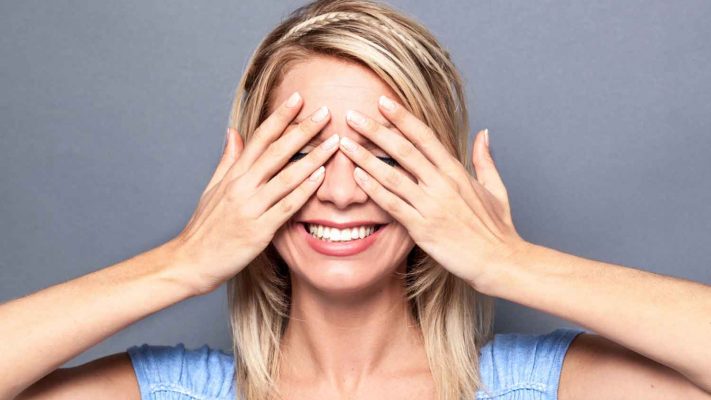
x=387, y=103
x=355, y=117
x=360, y=175
x=347, y=144
x=293, y=100
x=331, y=142
x=486, y=136
x=227, y=140
x=320, y=114
x=317, y=174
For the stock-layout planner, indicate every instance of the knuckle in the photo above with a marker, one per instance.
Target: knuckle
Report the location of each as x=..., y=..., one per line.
x=393, y=178
x=421, y=141
x=315, y=158
x=277, y=149
x=303, y=129
x=405, y=150
x=429, y=207
x=285, y=177
x=428, y=132
x=248, y=210
x=284, y=113
x=287, y=206
x=261, y=131
x=307, y=126
x=369, y=125
x=232, y=191
x=391, y=205
x=447, y=188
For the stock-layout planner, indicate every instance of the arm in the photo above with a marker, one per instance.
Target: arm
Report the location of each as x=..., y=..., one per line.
x=465, y=224
x=41, y=331
x=665, y=319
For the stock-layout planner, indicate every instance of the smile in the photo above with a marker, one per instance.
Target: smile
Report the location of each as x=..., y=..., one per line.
x=344, y=240
x=324, y=232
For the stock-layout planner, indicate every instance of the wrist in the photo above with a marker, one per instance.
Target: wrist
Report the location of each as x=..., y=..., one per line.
x=177, y=269
x=501, y=269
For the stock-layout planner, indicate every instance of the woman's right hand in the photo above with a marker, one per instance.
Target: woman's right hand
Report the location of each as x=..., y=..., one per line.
x=244, y=204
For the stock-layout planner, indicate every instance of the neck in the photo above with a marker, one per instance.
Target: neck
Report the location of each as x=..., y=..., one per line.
x=345, y=339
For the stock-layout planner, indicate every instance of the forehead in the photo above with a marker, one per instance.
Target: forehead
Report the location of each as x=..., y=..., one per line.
x=336, y=83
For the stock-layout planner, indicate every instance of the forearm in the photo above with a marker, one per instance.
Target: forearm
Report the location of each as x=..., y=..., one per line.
x=664, y=318
x=42, y=331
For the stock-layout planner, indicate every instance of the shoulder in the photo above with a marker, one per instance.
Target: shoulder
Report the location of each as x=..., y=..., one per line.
x=512, y=366
x=524, y=365
x=177, y=372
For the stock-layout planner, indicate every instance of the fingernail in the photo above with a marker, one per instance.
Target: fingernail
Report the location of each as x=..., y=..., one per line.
x=317, y=174
x=293, y=100
x=347, y=144
x=227, y=139
x=486, y=136
x=360, y=175
x=331, y=142
x=355, y=117
x=320, y=114
x=387, y=103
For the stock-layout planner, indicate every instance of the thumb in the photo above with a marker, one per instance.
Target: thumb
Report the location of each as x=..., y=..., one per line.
x=486, y=172
x=233, y=146
x=231, y=151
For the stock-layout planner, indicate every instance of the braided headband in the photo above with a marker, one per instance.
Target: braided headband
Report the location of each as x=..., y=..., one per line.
x=331, y=17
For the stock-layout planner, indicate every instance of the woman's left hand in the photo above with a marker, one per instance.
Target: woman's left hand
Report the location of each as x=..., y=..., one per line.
x=462, y=222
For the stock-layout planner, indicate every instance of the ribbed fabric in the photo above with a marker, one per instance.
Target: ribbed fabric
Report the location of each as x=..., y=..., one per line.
x=518, y=366
x=177, y=373
x=513, y=366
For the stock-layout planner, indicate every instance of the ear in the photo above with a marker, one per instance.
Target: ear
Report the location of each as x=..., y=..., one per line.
x=486, y=172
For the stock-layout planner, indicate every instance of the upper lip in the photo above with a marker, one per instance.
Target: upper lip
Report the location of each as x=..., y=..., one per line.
x=341, y=225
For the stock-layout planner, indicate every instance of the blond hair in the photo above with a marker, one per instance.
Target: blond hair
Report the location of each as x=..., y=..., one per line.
x=455, y=320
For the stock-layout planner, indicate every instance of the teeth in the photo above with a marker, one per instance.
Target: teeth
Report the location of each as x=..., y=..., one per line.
x=340, y=235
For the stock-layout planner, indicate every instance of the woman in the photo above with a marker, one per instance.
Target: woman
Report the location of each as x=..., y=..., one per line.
x=361, y=255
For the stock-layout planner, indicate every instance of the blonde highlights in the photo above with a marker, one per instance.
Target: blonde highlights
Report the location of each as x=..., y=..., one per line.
x=454, y=319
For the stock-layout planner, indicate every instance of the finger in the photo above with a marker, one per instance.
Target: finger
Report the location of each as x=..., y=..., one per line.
x=417, y=132
x=406, y=154
x=280, y=212
x=295, y=173
x=238, y=142
x=268, y=131
x=486, y=172
x=279, y=152
x=392, y=204
x=393, y=179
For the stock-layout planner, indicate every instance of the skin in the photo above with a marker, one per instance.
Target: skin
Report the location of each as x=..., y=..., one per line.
x=652, y=330
x=350, y=331
x=633, y=353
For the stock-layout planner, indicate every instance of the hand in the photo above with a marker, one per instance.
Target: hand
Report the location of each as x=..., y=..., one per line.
x=244, y=204
x=463, y=223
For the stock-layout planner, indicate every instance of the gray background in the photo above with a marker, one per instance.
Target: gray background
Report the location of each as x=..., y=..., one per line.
x=112, y=117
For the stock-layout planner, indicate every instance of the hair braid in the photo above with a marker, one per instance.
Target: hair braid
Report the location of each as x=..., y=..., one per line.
x=328, y=18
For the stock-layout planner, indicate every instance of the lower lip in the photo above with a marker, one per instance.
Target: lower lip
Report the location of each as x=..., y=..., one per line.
x=341, y=249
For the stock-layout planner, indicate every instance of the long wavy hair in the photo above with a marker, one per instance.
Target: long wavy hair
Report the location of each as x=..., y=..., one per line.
x=455, y=320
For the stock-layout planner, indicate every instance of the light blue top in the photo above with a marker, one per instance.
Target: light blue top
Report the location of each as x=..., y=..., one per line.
x=513, y=366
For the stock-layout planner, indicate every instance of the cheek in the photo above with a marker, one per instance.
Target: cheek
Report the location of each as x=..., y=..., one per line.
x=400, y=237
x=280, y=242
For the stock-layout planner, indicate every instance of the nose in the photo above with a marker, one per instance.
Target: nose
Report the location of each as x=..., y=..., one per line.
x=338, y=186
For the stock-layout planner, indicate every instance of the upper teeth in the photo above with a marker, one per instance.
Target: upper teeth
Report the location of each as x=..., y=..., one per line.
x=335, y=234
